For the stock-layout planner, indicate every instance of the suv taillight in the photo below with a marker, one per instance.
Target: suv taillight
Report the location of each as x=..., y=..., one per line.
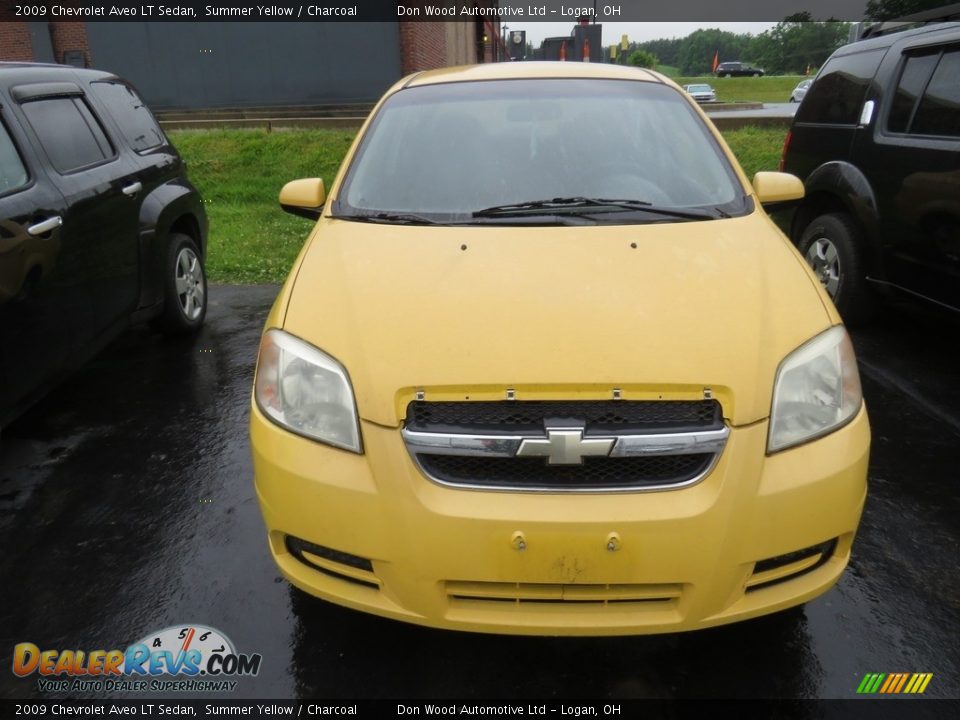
x=786, y=146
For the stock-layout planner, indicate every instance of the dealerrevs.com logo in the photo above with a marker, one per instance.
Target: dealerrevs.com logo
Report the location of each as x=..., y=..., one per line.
x=187, y=658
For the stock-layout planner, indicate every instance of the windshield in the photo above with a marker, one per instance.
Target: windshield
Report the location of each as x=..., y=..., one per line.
x=449, y=151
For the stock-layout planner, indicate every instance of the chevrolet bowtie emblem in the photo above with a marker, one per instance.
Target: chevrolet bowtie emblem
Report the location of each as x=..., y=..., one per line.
x=565, y=446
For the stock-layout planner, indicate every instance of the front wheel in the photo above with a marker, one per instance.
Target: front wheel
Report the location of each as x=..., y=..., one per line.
x=184, y=288
x=832, y=245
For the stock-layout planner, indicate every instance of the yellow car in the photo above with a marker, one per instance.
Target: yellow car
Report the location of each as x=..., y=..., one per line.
x=545, y=366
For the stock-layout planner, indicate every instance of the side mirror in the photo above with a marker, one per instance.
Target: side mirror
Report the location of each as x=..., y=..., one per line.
x=777, y=187
x=303, y=197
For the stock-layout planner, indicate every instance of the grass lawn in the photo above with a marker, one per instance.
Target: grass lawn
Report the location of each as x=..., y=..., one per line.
x=772, y=88
x=757, y=148
x=240, y=172
x=668, y=70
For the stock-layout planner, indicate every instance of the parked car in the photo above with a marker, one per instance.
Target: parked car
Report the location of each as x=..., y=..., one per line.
x=701, y=93
x=99, y=226
x=877, y=142
x=737, y=69
x=520, y=391
x=800, y=90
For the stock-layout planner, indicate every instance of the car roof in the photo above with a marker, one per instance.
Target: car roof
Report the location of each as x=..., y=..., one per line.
x=889, y=39
x=532, y=70
x=14, y=73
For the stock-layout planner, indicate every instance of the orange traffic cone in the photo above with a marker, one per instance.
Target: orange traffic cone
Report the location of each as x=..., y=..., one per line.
x=563, y=51
x=586, y=50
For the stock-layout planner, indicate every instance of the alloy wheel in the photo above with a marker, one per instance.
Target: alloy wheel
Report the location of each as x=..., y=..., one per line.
x=189, y=283
x=825, y=261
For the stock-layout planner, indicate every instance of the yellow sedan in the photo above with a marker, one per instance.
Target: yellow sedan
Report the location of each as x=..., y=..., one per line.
x=545, y=366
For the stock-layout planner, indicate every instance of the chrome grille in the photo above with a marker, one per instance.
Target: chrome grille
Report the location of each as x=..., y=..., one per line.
x=569, y=446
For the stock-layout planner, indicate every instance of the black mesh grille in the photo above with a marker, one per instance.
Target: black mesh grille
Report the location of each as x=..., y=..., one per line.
x=596, y=472
x=598, y=416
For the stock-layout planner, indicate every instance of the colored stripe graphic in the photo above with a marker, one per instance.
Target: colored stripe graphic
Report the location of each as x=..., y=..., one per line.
x=900, y=684
x=886, y=685
x=894, y=683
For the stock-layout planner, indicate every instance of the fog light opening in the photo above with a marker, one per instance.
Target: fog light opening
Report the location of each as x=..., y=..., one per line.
x=335, y=563
x=791, y=565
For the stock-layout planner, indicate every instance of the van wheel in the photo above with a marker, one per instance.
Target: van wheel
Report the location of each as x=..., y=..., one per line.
x=184, y=288
x=833, y=247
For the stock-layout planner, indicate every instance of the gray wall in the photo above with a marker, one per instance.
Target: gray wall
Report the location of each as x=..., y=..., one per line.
x=251, y=63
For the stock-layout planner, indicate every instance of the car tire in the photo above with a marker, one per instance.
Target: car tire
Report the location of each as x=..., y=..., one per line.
x=832, y=245
x=184, y=288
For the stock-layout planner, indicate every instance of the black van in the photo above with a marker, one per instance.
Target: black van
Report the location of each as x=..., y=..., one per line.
x=877, y=142
x=99, y=226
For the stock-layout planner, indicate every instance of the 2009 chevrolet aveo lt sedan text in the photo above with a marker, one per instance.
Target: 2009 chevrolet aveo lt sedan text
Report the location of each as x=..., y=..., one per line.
x=545, y=366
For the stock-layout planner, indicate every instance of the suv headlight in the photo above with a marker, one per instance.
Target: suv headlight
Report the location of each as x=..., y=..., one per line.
x=817, y=390
x=305, y=390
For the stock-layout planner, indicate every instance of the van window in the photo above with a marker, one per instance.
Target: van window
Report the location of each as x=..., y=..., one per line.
x=836, y=98
x=939, y=110
x=12, y=172
x=68, y=131
x=133, y=118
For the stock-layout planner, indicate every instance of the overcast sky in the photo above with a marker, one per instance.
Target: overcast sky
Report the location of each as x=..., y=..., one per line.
x=637, y=31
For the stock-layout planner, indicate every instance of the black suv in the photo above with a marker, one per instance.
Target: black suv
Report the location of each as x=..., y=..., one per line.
x=738, y=69
x=877, y=142
x=99, y=226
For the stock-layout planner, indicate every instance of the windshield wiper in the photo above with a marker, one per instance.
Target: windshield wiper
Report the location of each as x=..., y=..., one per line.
x=391, y=217
x=580, y=203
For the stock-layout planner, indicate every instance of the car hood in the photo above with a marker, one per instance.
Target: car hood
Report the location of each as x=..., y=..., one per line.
x=657, y=310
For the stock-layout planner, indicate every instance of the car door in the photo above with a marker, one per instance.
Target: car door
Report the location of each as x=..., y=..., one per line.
x=825, y=125
x=100, y=187
x=43, y=293
x=155, y=160
x=913, y=162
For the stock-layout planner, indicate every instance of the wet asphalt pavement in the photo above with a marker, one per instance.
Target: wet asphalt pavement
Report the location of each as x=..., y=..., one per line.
x=127, y=505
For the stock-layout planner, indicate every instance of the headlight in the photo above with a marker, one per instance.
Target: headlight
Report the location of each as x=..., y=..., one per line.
x=306, y=391
x=817, y=390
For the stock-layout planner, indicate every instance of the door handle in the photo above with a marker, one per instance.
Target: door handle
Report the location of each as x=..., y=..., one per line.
x=132, y=189
x=45, y=226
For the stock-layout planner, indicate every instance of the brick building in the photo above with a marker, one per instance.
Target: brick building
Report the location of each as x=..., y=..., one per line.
x=237, y=64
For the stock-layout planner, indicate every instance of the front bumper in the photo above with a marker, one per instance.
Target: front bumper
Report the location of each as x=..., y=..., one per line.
x=630, y=563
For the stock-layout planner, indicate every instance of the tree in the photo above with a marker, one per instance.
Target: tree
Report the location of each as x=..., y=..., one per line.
x=643, y=59
x=667, y=51
x=696, y=54
x=796, y=43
